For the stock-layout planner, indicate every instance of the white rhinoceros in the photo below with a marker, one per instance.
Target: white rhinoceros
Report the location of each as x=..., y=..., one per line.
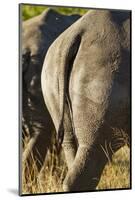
x=86, y=87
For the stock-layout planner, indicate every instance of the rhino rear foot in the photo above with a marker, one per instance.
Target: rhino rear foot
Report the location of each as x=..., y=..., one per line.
x=84, y=175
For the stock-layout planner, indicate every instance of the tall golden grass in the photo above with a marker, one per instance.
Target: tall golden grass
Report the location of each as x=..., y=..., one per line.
x=116, y=174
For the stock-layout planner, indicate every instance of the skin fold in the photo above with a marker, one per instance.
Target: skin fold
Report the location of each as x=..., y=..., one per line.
x=86, y=88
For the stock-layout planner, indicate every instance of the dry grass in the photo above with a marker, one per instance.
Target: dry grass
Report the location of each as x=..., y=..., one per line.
x=51, y=177
x=115, y=175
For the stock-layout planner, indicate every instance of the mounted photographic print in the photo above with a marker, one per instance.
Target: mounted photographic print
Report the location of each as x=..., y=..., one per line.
x=75, y=99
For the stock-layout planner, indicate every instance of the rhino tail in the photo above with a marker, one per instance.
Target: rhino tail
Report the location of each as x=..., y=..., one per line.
x=66, y=65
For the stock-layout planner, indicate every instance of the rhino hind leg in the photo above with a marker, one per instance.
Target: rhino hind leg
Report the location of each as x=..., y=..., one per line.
x=90, y=159
x=69, y=142
x=86, y=170
x=69, y=146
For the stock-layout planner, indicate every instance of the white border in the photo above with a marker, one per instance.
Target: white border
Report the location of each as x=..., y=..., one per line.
x=9, y=98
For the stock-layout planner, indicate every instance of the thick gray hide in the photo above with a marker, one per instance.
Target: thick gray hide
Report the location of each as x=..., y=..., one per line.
x=86, y=87
x=37, y=35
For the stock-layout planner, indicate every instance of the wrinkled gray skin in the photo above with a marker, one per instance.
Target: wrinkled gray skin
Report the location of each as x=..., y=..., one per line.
x=38, y=34
x=86, y=86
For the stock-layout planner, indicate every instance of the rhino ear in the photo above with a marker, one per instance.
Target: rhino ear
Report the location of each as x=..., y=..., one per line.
x=25, y=60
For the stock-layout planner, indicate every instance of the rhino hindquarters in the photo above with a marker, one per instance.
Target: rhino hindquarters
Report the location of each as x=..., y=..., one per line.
x=55, y=77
